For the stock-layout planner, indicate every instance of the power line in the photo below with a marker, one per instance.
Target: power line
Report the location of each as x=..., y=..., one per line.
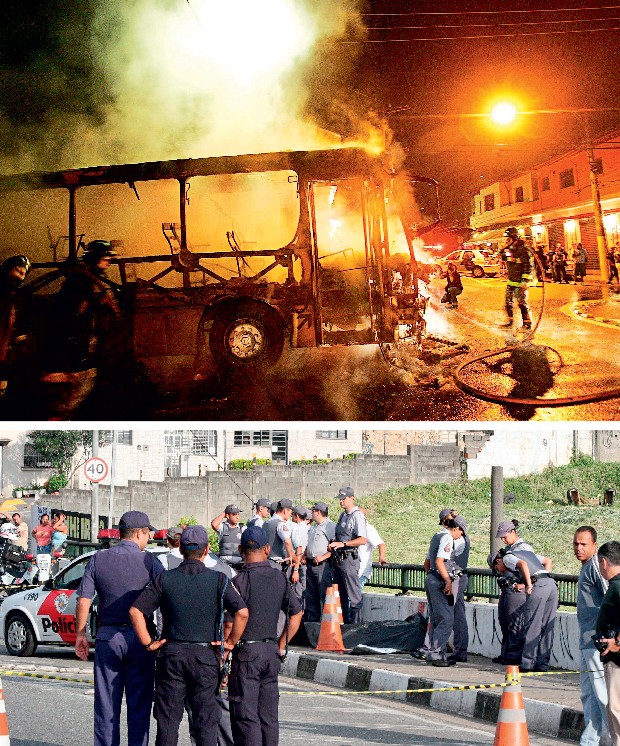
x=493, y=12
x=477, y=36
x=488, y=25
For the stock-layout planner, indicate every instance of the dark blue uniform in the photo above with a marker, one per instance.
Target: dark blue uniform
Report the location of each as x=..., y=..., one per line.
x=253, y=682
x=118, y=575
x=192, y=600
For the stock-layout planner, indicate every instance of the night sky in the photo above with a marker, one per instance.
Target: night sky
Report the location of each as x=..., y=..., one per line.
x=54, y=78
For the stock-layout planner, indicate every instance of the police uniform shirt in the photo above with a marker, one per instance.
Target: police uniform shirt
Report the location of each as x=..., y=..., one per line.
x=445, y=547
x=118, y=575
x=351, y=525
x=265, y=608
x=461, y=552
x=283, y=532
x=533, y=561
x=256, y=520
x=319, y=536
x=523, y=546
x=171, y=559
x=366, y=550
x=189, y=598
x=233, y=534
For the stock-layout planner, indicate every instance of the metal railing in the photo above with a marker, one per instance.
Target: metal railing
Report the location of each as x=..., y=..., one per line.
x=481, y=582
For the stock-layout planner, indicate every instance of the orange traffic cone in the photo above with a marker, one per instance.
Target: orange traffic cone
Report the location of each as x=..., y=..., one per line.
x=4, y=723
x=511, y=724
x=330, y=635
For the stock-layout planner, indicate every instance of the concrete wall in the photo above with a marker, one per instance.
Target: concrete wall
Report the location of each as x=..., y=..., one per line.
x=484, y=630
x=204, y=497
x=435, y=464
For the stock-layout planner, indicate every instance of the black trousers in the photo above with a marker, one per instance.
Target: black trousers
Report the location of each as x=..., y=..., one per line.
x=318, y=579
x=346, y=574
x=187, y=673
x=253, y=694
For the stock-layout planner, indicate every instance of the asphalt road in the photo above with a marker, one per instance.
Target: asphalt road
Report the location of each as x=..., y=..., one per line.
x=54, y=713
x=570, y=355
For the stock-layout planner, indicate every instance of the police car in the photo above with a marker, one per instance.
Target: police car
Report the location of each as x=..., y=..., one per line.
x=46, y=615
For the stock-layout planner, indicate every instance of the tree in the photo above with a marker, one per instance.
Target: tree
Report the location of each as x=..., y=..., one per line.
x=60, y=447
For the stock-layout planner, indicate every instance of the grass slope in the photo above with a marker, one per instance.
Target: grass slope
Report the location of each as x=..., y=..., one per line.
x=407, y=518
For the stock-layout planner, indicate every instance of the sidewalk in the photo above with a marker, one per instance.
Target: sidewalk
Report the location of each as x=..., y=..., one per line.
x=552, y=703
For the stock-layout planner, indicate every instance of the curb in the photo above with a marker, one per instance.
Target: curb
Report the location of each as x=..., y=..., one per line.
x=544, y=718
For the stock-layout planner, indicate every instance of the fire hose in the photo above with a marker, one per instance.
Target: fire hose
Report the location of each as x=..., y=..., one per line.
x=535, y=401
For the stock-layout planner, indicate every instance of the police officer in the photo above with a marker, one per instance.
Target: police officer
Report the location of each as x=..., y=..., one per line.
x=300, y=542
x=350, y=534
x=173, y=557
x=118, y=575
x=441, y=587
x=511, y=599
x=462, y=547
x=253, y=681
x=192, y=600
x=318, y=569
x=229, y=530
x=539, y=610
x=262, y=513
x=279, y=531
x=519, y=267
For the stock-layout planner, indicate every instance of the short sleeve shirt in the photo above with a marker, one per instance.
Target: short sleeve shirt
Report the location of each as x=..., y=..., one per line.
x=366, y=550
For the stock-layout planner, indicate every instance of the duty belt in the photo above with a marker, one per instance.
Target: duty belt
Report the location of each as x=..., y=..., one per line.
x=536, y=578
x=250, y=642
x=187, y=642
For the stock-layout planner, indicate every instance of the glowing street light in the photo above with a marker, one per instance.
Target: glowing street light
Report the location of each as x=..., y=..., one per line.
x=504, y=113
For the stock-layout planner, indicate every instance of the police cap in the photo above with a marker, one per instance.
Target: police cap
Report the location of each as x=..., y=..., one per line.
x=135, y=519
x=284, y=503
x=194, y=537
x=255, y=535
x=300, y=511
x=232, y=509
x=262, y=503
x=323, y=507
x=345, y=492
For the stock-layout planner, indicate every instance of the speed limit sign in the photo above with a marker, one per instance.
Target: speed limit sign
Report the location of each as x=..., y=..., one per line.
x=96, y=469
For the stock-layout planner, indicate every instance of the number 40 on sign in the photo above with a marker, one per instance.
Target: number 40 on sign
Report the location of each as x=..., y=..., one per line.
x=95, y=469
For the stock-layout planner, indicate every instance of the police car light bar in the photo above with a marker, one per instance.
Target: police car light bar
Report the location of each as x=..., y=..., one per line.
x=109, y=533
x=161, y=534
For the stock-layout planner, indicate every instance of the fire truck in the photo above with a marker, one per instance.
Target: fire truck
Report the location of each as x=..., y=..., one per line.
x=227, y=258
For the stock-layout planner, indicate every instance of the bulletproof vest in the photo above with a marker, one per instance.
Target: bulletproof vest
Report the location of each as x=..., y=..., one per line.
x=191, y=606
x=170, y=561
x=222, y=567
x=256, y=521
x=265, y=592
x=461, y=554
x=534, y=564
x=434, y=548
x=275, y=542
x=230, y=538
x=346, y=526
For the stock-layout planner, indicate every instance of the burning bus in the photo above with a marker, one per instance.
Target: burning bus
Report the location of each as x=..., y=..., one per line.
x=234, y=256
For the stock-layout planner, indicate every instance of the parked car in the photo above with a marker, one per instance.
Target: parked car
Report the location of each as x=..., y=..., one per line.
x=45, y=615
x=478, y=263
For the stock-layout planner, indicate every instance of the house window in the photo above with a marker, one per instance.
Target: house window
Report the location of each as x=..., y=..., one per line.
x=194, y=442
x=567, y=178
x=546, y=184
x=489, y=202
x=519, y=194
x=123, y=437
x=535, y=194
x=252, y=438
x=34, y=460
x=204, y=442
x=331, y=435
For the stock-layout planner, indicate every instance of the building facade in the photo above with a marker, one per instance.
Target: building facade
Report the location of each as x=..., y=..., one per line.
x=554, y=200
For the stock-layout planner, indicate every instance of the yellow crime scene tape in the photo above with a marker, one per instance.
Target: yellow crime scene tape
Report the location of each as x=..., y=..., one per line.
x=329, y=693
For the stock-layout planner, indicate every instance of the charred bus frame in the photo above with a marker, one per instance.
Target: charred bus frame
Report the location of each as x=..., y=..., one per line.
x=245, y=318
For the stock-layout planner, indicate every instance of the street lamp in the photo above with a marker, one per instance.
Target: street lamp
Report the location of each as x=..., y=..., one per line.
x=504, y=113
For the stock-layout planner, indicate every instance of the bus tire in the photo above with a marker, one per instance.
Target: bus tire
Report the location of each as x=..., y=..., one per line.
x=246, y=336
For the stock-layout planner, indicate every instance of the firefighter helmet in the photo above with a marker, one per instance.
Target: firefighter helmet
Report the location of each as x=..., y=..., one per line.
x=512, y=233
x=98, y=249
x=19, y=260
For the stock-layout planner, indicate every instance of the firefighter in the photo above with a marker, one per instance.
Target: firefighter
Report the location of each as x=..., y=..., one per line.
x=519, y=267
x=13, y=272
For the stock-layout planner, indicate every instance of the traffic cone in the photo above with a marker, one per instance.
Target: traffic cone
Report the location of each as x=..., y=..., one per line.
x=330, y=635
x=511, y=724
x=4, y=723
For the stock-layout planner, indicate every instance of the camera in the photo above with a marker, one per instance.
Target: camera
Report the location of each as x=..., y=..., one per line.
x=598, y=638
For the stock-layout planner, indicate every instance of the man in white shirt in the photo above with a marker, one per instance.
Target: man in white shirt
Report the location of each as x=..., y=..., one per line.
x=374, y=541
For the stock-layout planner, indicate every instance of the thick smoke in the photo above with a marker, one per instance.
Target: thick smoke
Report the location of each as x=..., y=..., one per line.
x=128, y=81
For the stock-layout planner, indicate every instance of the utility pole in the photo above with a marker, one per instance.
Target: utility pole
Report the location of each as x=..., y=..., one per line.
x=94, y=495
x=601, y=241
x=497, y=504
